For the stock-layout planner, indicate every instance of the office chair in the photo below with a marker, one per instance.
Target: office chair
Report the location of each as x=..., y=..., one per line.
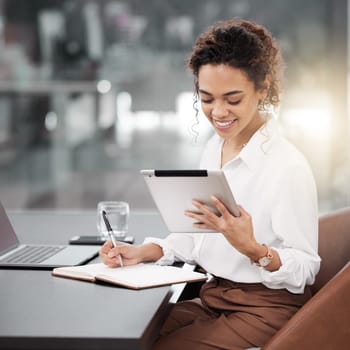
x=323, y=323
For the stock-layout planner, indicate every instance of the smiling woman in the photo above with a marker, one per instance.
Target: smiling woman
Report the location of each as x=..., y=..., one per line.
x=264, y=260
x=235, y=87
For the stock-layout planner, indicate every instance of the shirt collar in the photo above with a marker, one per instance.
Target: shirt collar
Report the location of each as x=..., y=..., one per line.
x=258, y=146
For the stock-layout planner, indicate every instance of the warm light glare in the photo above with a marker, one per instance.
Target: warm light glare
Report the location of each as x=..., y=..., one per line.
x=316, y=122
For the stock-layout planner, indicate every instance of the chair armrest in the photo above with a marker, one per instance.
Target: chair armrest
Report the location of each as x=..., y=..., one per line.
x=322, y=323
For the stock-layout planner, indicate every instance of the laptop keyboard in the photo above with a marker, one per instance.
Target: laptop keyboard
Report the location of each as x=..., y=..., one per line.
x=32, y=254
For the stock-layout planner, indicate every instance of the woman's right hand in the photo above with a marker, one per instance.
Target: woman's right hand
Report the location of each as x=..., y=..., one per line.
x=130, y=254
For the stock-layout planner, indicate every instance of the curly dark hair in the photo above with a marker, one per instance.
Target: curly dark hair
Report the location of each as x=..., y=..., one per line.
x=244, y=45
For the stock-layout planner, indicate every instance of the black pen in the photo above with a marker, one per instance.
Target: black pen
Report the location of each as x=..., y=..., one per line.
x=111, y=234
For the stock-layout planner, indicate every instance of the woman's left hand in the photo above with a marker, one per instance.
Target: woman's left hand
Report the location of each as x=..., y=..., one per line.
x=237, y=230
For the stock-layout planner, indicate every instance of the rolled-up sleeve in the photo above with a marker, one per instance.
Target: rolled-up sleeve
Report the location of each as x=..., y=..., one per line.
x=294, y=220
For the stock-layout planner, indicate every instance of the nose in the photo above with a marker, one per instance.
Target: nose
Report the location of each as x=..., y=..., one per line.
x=219, y=110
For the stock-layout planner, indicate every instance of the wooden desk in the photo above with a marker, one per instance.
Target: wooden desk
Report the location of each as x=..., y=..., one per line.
x=38, y=311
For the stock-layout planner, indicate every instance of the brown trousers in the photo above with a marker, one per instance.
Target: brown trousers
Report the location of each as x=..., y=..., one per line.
x=229, y=315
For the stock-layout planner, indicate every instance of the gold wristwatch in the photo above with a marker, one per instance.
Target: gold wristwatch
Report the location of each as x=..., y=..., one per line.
x=266, y=259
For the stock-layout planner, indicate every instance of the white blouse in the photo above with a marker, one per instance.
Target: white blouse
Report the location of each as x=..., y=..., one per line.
x=273, y=182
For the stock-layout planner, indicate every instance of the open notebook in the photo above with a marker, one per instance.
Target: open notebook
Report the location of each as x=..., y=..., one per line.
x=134, y=277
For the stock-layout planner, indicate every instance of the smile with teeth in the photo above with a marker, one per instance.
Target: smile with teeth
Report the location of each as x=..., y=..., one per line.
x=223, y=124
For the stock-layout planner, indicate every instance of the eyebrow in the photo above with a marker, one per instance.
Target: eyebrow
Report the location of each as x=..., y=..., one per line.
x=233, y=92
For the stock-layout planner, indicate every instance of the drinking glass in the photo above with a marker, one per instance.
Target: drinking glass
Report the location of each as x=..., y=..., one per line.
x=118, y=216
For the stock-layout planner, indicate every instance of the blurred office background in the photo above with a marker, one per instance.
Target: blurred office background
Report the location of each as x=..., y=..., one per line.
x=92, y=91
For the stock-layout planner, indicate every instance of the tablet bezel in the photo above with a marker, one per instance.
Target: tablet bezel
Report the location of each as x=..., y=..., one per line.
x=174, y=190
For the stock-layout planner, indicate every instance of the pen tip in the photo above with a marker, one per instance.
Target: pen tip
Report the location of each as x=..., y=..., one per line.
x=103, y=212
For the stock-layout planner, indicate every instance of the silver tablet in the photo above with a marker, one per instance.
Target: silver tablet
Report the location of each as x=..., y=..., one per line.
x=174, y=190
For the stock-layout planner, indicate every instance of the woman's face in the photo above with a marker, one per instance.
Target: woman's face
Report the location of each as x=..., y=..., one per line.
x=229, y=101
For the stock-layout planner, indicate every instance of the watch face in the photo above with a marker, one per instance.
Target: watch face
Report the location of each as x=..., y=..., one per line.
x=264, y=261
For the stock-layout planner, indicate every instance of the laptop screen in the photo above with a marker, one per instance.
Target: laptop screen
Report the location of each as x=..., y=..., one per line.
x=8, y=238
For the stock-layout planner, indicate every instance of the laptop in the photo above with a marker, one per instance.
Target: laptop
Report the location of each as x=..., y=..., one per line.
x=13, y=254
x=174, y=190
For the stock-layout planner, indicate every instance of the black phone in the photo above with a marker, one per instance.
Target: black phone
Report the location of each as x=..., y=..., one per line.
x=97, y=240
